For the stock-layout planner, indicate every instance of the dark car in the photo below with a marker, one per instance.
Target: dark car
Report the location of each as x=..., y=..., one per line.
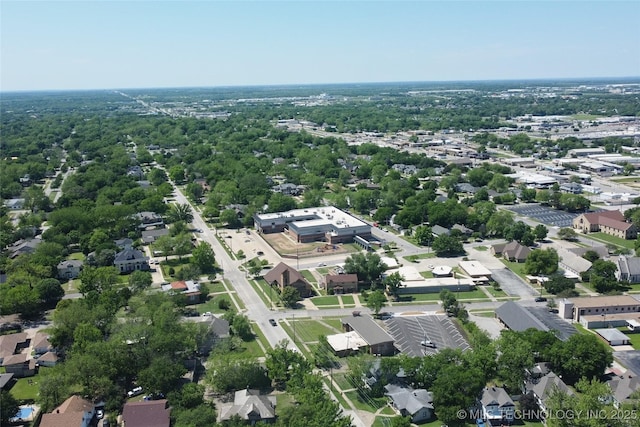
x=540, y=299
x=273, y=322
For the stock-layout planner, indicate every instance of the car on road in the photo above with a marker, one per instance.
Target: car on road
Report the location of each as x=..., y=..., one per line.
x=540, y=299
x=322, y=264
x=273, y=322
x=260, y=253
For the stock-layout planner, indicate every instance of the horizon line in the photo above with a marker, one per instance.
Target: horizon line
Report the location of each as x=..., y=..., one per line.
x=275, y=85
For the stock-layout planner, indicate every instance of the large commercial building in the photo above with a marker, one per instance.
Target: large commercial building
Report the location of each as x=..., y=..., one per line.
x=328, y=224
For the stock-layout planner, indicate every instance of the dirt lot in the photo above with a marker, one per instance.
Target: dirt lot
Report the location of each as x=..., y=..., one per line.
x=284, y=245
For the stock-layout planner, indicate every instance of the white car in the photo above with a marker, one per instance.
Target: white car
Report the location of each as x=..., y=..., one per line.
x=134, y=392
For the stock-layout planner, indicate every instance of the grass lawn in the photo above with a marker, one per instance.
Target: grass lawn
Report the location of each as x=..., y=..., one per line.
x=629, y=244
x=460, y=296
x=323, y=270
x=634, y=338
x=216, y=287
x=309, y=330
x=77, y=256
x=284, y=400
x=481, y=248
x=263, y=290
x=335, y=323
x=260, y=337
x=323, y=301
x=176, y=264
x=212, y=305
x=342, y=382
x=309, y=276
x=427, y=274
x=414, y=258
x=348, y=300
x=369, y=405
x=27, y=388
x=495, y=292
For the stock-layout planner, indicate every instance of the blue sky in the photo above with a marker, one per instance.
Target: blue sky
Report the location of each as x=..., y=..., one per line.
x=135, y=44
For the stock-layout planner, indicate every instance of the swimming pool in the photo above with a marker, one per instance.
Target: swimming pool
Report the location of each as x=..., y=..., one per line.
x=24, y=413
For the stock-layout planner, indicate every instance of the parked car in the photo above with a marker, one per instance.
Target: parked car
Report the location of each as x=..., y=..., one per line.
x=273, y=322
x=427, y=343
x=136, y=391
x=540, y=299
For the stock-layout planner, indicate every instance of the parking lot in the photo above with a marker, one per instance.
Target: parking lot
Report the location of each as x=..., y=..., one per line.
x=545, y=215
x=409, y=331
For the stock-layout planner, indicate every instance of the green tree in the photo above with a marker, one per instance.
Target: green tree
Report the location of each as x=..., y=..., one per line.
x=515, y=357
x=542, y=261
x=567, y=233
x=445, y=245
x=283, y=363
x=367, y=266
x=162, y=375
x=423, y=235
x=323, y=356
x=540, y=232
x=289, y=296
x=375, y=301
x=580, y=356
x=140, y=280
x=8, y=406
x=557, y=283
x=230, y=218
x=178, y=212
x=392, y=283
x=455, y=387
x=204, y=258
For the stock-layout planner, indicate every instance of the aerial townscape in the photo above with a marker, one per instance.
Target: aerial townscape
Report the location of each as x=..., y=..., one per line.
x=319, y=213
x=338, y=255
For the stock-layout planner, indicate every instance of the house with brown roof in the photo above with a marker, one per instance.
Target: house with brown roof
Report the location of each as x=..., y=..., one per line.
x=12, y=343
x=283, y=275
x=74, y=412
x=151, y=413
x=341, y=283
x=20, y=365
x=608, y=222
x=41, y=344
x=48, y=359
x=511, y=251
x=250, y=406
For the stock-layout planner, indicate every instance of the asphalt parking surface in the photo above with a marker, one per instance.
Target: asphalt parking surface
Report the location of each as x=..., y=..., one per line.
x=409, y=331
x=545, y=215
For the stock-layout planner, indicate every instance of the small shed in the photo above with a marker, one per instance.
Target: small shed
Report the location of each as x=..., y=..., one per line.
x=613, y=336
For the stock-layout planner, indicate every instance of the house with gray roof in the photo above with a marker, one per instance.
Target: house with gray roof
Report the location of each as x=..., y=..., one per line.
x=414, y=403
x=545, y=386
x=377, y=339
x=497, y=406
x=250, y=406
x=511, y=251
x=129, y=260
x=622, y=387
x=628, y=269
x=570, y=262
x=69, y=269
x=439, y=230
x=150, y=236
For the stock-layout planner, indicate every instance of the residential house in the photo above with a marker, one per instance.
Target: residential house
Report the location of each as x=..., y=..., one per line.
x=12, y=343
x=466, y=188
x=6, y=381
x=608, y=222
x=497, y=406
x=129, y=260
x=288, y=189
x=189, y=288
x=20, y=247
x=463, y=229
x=135, y=172
x=20, y=365
x=511, y=251
x=439, y=230
x=149, y=219
x=341, y=283
x=73, y=412
x=217, y=329
x=202, y=183
x=14, y=204
x=48, y=359
x=414, y=403
x=545, y=387
x=405, y=169
x=283, y=275
x=622, y=387
x=628, y=269
x=41, y=344
x=123, y=244
x=148, y=413
x=69, y=269
x=150, y=236
x=377, y=339
x=250, y=406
